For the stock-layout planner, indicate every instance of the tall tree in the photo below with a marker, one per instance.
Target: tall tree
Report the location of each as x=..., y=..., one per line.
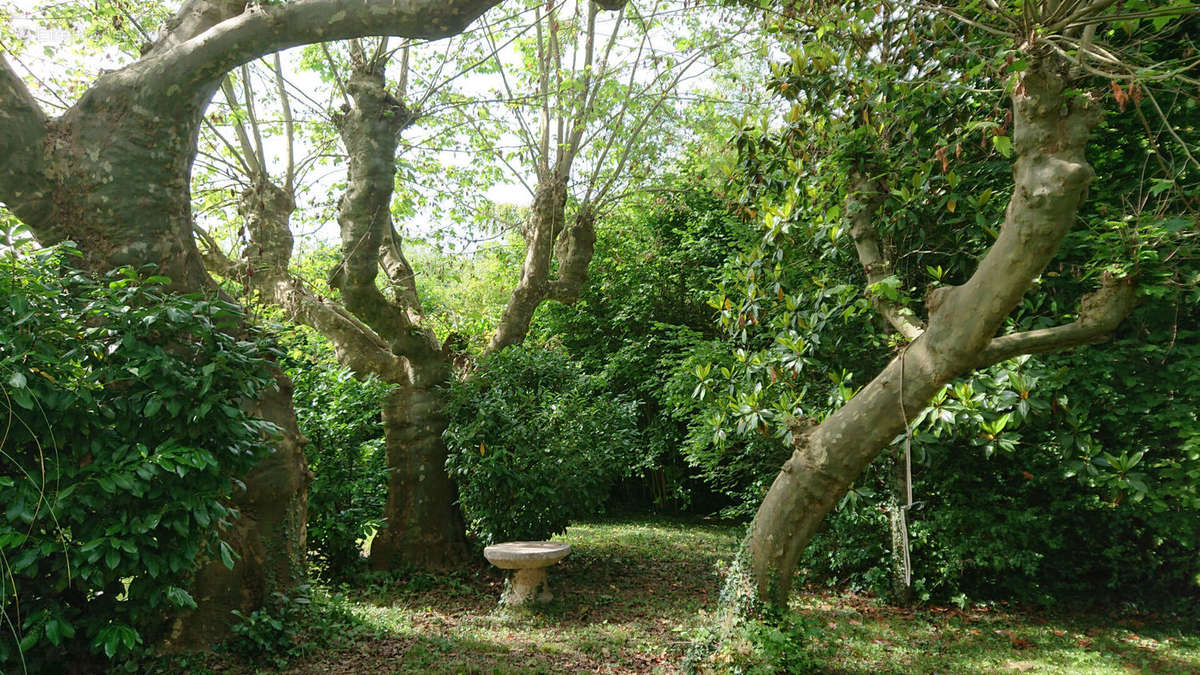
x=588, y=94
x=1054, y=47
x=113, y=173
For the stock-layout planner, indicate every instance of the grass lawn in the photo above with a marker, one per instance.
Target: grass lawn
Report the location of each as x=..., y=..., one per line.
x=632, y=591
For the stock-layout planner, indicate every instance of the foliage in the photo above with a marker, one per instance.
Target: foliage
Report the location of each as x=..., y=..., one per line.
x=880, y=93
x=534, y=443
x=757, y=647
x=123, y=440
x=268, y=634
x=466, y=294
x=293, y=625
x=1070, y=476
x=644, y=311
x=340, y=417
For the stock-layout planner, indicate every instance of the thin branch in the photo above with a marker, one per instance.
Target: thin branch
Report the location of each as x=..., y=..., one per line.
x=288, y=127
x=1099, y=315
x=863, y=199
x=248, y=157
x=260, y=154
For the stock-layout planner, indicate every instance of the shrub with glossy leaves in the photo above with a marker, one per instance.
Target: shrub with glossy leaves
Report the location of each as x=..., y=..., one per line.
x=122, y=439
x=340, y=417
x=535, y=443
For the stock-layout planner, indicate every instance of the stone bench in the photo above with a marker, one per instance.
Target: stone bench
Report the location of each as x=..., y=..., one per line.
x=529, y=559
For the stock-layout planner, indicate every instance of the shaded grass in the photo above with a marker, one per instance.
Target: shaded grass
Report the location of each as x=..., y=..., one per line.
x=623, y=597
x=860, y=635
x=633, y=591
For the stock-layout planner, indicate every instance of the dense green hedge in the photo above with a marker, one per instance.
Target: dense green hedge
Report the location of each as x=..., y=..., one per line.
x=122, y=437
x=534, y=443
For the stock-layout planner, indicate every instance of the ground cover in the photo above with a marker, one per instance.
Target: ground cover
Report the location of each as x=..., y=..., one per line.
x=632, y=593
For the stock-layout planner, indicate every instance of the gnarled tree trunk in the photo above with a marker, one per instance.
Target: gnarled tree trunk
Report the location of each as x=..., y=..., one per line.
x=1051, y=177
x=117, y=172
x=423, y=525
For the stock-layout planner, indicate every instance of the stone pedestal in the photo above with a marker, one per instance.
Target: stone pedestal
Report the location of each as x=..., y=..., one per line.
x=529, y=560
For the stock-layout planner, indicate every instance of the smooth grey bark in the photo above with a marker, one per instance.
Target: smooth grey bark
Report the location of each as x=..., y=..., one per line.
x=422, y=523
x=372, y=334
x=1051, y=176
x=113, y=174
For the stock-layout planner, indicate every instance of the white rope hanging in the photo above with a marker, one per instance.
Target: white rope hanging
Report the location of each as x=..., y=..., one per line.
x=907, y=479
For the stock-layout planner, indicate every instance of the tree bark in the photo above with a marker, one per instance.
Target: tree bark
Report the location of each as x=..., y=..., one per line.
x=423, y=526
x=1051, y=177
x=545, y=235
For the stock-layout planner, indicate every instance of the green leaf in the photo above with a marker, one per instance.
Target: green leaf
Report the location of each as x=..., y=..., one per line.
x=180, y=598
x=227, y=555
x=29, y=640
x=23, y=399
x=1003, y=145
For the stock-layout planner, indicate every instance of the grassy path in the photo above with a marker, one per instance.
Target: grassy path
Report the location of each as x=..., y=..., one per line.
x=622, y=597
x=631, y=592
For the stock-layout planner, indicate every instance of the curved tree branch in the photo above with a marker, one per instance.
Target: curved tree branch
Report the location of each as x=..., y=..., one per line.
x=399, y=273
x=545, y=223
x=261, y=29
x=862, y=202
x=1099, y=314
x=1051, y=175
x=23, y=130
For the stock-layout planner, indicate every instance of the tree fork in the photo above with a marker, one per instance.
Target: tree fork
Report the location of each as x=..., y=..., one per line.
x=1051, y=175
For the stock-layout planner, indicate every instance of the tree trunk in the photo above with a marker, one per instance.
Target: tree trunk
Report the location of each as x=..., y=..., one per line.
x=899, y=519
x=269, y=535
x=423, y=526
x=113, y=173
x=1051, y=176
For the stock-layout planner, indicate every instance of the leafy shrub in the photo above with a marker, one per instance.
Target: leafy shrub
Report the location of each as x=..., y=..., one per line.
x=122, y=440
x=303, y=621
x=754, y=646
x=1070, y=476
x=534, y=443
x=340, y=417
x=268, y=634
x=642, y=313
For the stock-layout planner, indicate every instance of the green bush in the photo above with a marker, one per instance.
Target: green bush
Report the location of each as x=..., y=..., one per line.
x=340, y=417
x=642, y=313
x=1088, y=490
x=122, y=441
x=533, y=443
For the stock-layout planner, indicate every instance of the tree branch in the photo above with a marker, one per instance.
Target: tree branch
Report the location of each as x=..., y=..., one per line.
x=23, y=128
x=370, y=131
x=262, y=29
x=862, y=202
x=215, y=260
x=398, y=272
x=249, y=157
x=574, y=251
x=544, y=225
x=1099, y=314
